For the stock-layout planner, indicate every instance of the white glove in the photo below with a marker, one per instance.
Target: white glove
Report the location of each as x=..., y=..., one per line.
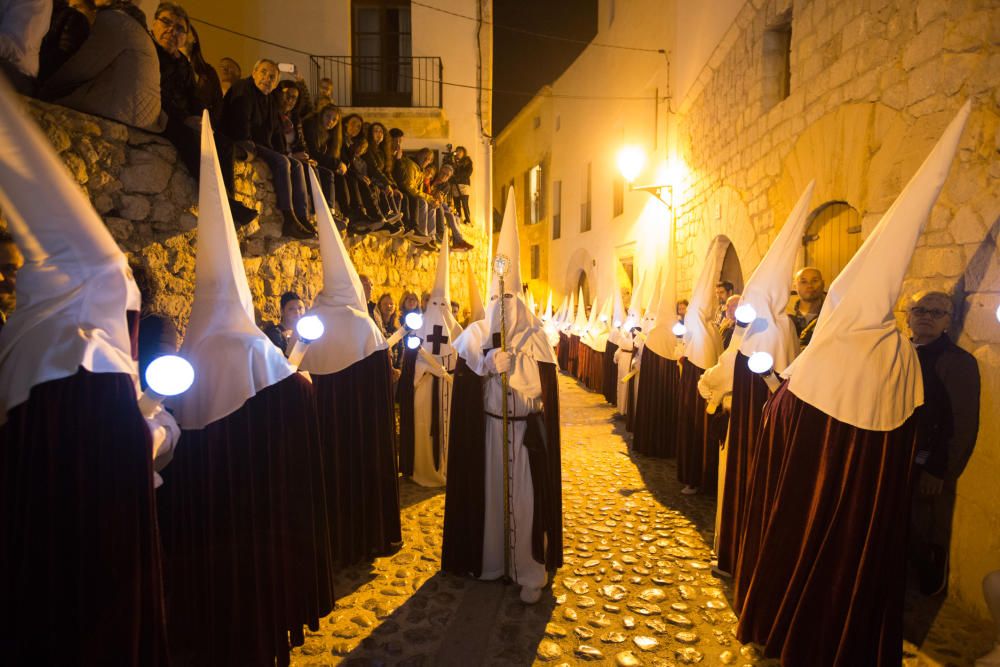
x=503, y=361
x=166, y=433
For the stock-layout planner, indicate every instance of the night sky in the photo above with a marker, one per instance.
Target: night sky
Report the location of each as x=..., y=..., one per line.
x=525, y=62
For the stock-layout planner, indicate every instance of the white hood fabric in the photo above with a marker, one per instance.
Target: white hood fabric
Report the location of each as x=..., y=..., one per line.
x=75, y=286
x=648, y=321
x=767, y=291
x=439, y=321
x=634, y=316
x=350, y=334
x=525, y=335
x=566, y=323
x=859, y=368
x=599, y=327
x=232, y=357
x=581, y=320
x=547, y=313
x=661, y=339
x=476, y=309
x=703, y=343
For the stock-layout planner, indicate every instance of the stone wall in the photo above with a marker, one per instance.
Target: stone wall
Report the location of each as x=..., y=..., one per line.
x=149, y=202
x=873, y=84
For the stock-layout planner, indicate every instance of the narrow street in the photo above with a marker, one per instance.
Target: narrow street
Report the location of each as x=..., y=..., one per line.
x=636, y=589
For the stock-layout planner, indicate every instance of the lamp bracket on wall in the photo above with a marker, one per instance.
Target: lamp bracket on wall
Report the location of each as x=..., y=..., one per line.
x=657, y=191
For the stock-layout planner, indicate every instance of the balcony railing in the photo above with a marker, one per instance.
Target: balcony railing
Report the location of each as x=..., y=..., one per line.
x=373, y=81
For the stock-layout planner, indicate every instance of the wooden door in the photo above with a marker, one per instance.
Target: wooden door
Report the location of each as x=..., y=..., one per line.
x=833, y=236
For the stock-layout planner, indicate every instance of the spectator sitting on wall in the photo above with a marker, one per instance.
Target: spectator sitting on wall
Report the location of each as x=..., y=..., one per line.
x=206, y=78
x=250, y=118
x=282, y=333
x=229, y=73
x=68, y=30
x=366, y=211
x=181, y=102
x=378, y=160
x=463, y=179
x=323, y=142
x=410, y=178
x=446, y=215
x=115, y=73
x=23, y=24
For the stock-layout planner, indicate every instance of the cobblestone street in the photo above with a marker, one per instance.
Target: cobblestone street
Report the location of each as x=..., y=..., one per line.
x=636, y=589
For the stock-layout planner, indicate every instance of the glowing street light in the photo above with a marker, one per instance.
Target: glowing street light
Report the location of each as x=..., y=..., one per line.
x=631, y=160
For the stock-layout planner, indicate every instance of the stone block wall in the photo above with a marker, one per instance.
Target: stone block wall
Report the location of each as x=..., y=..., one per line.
x=150, y=204
x=873, y=84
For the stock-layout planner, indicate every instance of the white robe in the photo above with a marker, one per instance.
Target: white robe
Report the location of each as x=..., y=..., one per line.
x=425, y=473
x=525, y=570
x=623, y=359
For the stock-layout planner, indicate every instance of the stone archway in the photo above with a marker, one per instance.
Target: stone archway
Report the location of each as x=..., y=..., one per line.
x=579, y=273
x=725, y=214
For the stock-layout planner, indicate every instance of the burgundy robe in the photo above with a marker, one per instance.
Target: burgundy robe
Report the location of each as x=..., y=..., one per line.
x=692, y=426
x=244, y=522
x=749, y=395
x=573, y=356
x=80, y=573
x=657, y=408
x=826, y=586
x=562, y=351
x=609, y=384
x=358, y=431
x=462, y=548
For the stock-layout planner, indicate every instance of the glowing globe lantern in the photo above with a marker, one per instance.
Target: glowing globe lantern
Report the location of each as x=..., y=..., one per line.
x=413, y=321
x=412, y=342
x=631, y=160
x=745, y=314
x=168, y=375
x=679, y=329
x=309, y=329
x=760, y=362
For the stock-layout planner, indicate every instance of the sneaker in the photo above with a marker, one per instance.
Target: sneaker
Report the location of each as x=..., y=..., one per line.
x=395, y=230
x=432, y=246
x=357, y=228
x=461, y=246
x=293, y=227
x=393, y=218
x=415, y=237
x=242, y=215
x=689, y=490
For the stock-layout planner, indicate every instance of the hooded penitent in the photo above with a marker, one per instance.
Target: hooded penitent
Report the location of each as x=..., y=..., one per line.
x=618, y=316
x=767, y=293
x=351, y=335
x=703, y=343
x=78, y=529
x=75, y=286
x=476, y=309
x=662, y=339
x=823, y=545
x=856, y=334
x=581, y=320
x=232, y=357
x=424, y=392
x=473, y=526
x=652, y=307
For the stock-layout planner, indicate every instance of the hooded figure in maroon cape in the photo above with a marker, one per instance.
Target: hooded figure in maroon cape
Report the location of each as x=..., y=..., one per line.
x=657, y=404
x=351, y=370
x=243, y=506
x=762, y=326
x=474, y=505
x=834, y=460
x=610, y=385
x=425, y=385
x=564, y=321
x=626, y=359
x=80, y=575
x=697, y=452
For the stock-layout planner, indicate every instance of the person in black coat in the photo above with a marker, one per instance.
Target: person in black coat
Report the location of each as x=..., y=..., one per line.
x=251, y=118
x=463, y=179
x=323, y=139
x=68, y=31
x=180, y=101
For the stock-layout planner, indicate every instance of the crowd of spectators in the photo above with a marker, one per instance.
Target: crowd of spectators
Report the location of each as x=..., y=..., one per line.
x=101, y=57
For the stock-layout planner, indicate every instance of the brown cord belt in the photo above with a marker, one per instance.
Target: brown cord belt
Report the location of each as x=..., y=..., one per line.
x=513, y=418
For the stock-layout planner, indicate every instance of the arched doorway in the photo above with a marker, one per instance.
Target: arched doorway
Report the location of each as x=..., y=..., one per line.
x=832, y=238
x=731, y=270
x=583, y=283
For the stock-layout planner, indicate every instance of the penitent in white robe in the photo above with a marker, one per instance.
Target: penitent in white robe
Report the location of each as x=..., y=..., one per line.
x=623, y=360
x=525, y=570
x=425, y=473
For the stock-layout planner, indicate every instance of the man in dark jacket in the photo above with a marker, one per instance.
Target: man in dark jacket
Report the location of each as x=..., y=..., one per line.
x=947, y=426
x=250, y=117
x=409, y=176
x=179, y=101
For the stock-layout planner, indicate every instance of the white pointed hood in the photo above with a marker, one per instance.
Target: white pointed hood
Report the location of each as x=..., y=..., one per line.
x=557, y=319
x=634, y=316
x=476, y=309
x=859, y=368
x=549, y=324
x=232, y=357
x=439, y=329
x=581, y=320
x=524, y=331
x=648, y=321
x=703, y=343
x=662, y=339
x=569, y=316
x=75, y=286
x=617, y=316
x=767, y=292
x=547, y=314
x=530, y=301
x=350, y=334
x=600, y=326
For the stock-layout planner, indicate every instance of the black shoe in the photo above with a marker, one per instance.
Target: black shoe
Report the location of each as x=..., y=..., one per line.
x=395, y=230
x=461, y=246
x=242, y=215
x=358, y=228
x=293, y=227
x=340, y=220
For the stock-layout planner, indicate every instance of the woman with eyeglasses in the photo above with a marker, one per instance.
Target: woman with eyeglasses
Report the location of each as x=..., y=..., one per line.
x=115, y=73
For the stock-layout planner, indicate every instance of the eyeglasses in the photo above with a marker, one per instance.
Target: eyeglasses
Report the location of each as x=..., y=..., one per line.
x=179, y=28
x=936, y=313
